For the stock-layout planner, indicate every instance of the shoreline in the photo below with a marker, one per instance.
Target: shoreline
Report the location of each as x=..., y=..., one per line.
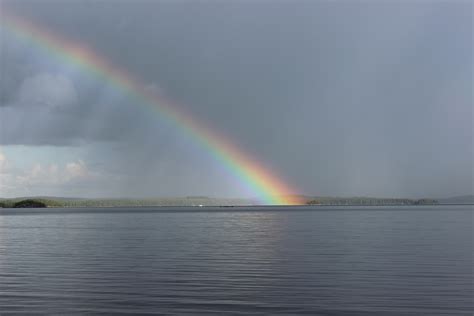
x=206, y=208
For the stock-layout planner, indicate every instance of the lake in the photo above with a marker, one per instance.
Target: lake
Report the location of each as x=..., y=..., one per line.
x=247, y=261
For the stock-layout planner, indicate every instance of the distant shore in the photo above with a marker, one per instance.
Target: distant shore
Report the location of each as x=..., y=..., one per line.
x=58, y=202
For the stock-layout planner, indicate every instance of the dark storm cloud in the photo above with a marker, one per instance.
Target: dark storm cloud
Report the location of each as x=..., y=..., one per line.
x=342, y=98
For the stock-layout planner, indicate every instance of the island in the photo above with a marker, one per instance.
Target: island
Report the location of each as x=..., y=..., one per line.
x=28, y=203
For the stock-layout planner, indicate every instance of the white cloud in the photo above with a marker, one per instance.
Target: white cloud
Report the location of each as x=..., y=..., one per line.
x=3, y=163
x=44, y=178
x=6, y=177
x=77, y=170
x=52, y=174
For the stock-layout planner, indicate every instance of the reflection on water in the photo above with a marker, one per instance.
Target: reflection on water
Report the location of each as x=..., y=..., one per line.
x=267, y=261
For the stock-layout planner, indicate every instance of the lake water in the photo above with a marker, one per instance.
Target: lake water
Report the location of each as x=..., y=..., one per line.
x=257, y=261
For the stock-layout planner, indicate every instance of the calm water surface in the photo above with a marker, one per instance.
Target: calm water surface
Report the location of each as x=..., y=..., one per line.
x=258, y=261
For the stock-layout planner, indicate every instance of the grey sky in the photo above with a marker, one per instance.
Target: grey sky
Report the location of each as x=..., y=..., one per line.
x=341, y=98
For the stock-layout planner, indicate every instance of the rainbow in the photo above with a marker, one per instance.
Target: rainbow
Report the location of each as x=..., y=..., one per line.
x=267, y=187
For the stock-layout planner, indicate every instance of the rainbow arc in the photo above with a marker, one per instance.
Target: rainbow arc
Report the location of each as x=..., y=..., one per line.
x=252, y=174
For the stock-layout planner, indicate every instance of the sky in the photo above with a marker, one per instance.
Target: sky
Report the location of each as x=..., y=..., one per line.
x=339, y=98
